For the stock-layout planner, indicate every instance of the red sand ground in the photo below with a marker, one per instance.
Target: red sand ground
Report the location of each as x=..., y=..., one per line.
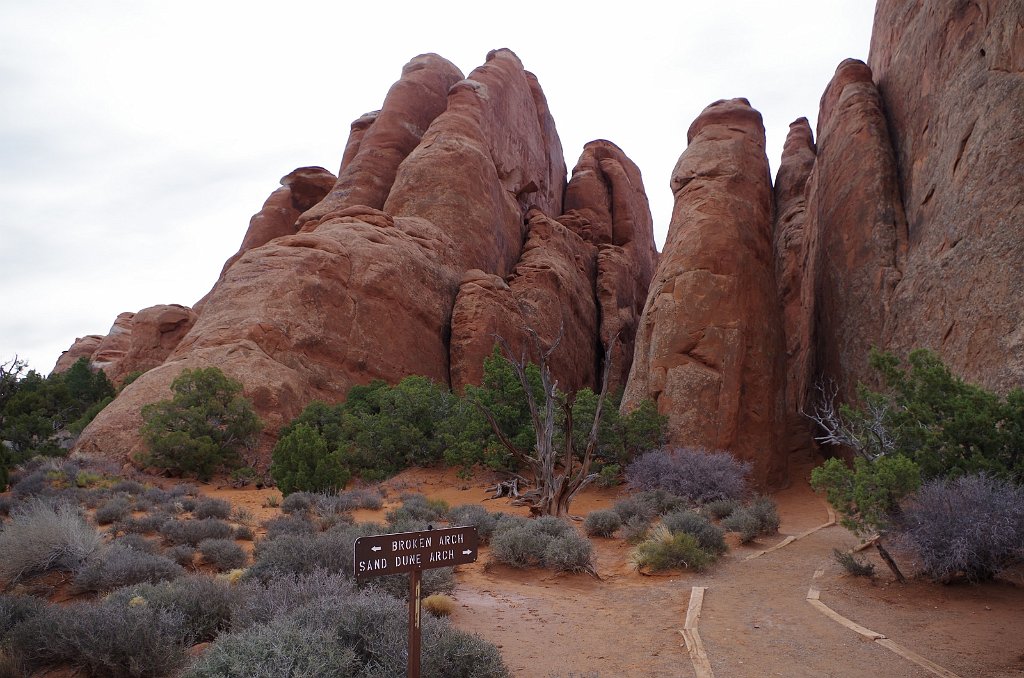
x=756, y=620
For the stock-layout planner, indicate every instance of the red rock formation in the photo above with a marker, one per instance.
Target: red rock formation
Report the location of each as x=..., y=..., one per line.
x=483, y=163
x=155, y=332
x=605, y=203
x=114, y=346
x=380, y=142
x=83, y=347
x=788, y=234
x=360, y=293
x=856, y=236
x=550, y=290
x=710, y=341
x=951, y=75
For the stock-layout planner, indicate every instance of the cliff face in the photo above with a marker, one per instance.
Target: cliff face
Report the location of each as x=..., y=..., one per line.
x=710, y=339
x=951, y=76
x=454, y=182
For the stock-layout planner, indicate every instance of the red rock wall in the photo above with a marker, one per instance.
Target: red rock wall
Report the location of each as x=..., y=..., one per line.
x=710, y=340
x=951, y=75
x=83, y=347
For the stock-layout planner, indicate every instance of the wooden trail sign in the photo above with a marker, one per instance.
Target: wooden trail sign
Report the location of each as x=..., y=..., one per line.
x=413, y=552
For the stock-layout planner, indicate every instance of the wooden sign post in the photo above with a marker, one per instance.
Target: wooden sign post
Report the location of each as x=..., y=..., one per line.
x=413, y=552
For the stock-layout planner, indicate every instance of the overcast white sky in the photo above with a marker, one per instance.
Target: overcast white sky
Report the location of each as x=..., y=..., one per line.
x=138, y=137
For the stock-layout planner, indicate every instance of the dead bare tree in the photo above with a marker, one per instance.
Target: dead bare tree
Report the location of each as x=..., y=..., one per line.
x=870, y=437
x=558, y=477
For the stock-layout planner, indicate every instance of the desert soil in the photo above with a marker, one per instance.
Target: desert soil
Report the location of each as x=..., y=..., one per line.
x=756, y=620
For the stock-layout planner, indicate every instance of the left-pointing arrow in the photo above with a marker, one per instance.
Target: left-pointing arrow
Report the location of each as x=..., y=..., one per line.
x=375, y=548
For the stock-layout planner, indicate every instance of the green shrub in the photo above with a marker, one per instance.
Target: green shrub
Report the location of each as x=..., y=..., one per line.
x=869, y=494
x=102, y=639
x=204, y=603
x=194, y=531
x=710, y=537
x=851, y=564
x=43, y=536
x=647, y=506
x=281, y=648
x=294, y=524
x=767, y=514
x=203, y=428
x=602, y=523
x=113, y=510
x=209, y=507
x=944, y=425
x=720, y=508
x=302, y=460
x=663, y=550
x=743, y=522
x=119, y=565
x=634, y=530
x=223, y=554
x=418, y=507
x=542, y=542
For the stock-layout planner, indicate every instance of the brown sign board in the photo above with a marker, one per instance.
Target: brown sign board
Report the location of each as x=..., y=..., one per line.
x=383, y=554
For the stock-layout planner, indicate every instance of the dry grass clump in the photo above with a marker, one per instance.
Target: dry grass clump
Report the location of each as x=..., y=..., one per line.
x=663, y=550
x=43, y=536
x=439, y=605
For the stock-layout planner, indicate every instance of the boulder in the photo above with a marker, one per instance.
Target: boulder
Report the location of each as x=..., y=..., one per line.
x=951, y=76
x=114, y=346
x=709, y=349
x=83, y=347
x=155, y=333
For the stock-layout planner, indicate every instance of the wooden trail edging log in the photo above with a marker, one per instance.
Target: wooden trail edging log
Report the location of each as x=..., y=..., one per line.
x=790, y=539
x=813, y=595
x=694, y=645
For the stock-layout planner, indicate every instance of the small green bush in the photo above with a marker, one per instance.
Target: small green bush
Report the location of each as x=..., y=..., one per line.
x=281, y=648
x=289, y=524
x=209, y=507
x=665, y=551
x=102, y=639
x=418, y=507
x=647, y=505
x=603, y=523
x=303, y=461
x=203, y=428
x=710, y=537
x=223, y=554
x=194, y=531
x=113, y=510
x=543, y=542
x=744, y=522
x=720, y=508
x=119, y=565
x=474, y=514
x=850, y=563
x=205, y=603
x=767, y=514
